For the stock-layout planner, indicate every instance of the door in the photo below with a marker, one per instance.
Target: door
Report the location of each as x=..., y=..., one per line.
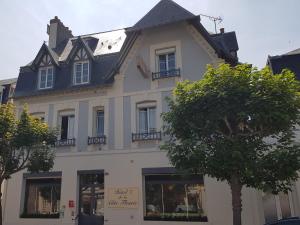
x=91, y=199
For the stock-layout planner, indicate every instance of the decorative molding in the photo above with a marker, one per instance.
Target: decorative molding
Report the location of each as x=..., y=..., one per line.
x=142, y=66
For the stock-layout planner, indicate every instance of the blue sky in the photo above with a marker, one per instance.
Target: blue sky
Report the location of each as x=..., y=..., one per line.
x=263, y=27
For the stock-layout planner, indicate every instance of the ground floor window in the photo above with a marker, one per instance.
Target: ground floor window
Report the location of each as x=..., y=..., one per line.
x=171, y=197
x=42, y=198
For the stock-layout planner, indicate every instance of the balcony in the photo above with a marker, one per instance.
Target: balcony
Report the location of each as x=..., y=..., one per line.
x=65, y=142
x=100, y=140
x=166, y=74
x=146, y=136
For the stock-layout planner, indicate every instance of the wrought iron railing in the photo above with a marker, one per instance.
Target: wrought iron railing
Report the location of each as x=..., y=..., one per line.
x=65, y=142
x=97, y=140
x=166, y=74
x=146, y=136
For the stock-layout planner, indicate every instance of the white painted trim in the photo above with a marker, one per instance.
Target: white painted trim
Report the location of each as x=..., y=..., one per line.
x=39, y=77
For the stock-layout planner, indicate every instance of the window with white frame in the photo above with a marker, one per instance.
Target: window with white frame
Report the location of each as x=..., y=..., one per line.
x=45, y=77
x=81, y=72
x=276, y=206
x=99, y=123
x=166, y=60
x=67, y=124
x=147, y=119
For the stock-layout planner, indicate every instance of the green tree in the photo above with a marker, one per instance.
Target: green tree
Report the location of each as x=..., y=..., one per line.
x=238, y=125
x=25, y=143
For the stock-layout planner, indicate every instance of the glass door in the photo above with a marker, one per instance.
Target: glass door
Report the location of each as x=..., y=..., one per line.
x=91, y=199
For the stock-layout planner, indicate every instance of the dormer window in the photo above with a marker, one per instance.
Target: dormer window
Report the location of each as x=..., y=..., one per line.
x=45, y=77
x=81, y=72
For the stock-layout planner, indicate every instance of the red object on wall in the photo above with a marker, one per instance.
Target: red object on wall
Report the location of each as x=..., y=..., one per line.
x=71, y=204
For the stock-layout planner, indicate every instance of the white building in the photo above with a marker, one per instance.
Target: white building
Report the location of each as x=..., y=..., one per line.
x=105, y=92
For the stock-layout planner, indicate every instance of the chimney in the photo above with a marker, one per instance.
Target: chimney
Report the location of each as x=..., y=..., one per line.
x=57, y=32
x=222, y=30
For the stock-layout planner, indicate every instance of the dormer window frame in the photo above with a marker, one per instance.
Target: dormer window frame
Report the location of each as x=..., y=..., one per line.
x=47, y=86
x=82, y=62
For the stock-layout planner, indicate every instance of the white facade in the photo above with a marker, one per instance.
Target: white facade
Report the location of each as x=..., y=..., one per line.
x=121, y=159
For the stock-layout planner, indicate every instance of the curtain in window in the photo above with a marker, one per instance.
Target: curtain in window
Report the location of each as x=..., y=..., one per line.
x=43, y=78
x=143, y=124
x=50, y=77
x=71, y=121
x=162, y=63
x=99, y=123
x=152, y=120
x=171, y=61
x=42, y=196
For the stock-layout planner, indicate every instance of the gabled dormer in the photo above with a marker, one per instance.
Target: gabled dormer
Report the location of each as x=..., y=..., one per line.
x=80, y=58
x=45, y=64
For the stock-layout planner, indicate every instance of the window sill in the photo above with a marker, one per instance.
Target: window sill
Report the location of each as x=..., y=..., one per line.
x=146, y=136
x=39, y=216
x=180, y=219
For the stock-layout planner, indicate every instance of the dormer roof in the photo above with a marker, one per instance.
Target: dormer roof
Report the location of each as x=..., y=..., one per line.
x=42, y=52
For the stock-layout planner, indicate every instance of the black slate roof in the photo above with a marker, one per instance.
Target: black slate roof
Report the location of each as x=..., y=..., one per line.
x=165, y=12
x=289, y=61
x=108, y=50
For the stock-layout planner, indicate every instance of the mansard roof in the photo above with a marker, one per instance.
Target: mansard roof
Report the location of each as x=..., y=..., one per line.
x=164, y=12
x=289, y=60
x=108, y=50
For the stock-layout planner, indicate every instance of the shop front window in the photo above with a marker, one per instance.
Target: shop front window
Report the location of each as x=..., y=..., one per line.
x=175, y=198
x=42, y=198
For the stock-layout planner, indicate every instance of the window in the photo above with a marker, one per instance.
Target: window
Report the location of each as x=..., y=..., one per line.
x=42, y=198
x=67, y=127
x=99, y=123
x=166, y=62
x=1, y=97
x=46, y=78
x=276, y=206
x=147, y=121
x=81, y=72
x=172, y=197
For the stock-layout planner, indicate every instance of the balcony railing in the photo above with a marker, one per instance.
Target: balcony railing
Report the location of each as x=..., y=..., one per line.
x=146, y=136
x=65, y=142
x=166, y=74
x=97, y=140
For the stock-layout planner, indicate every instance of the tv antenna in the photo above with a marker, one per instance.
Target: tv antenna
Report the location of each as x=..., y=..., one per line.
x=214, y=19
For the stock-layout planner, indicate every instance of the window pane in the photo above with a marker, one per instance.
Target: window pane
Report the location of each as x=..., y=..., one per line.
x=99, y=123
x=171, y=61
x=85, y=72
x=152, y=120
x=143, y=121
x=162, y=63
x=43, y=75
x=42, y=196
x=284, y=205
x=78, y=73
x=269, y=204
x=172, y=197
x=64, y=128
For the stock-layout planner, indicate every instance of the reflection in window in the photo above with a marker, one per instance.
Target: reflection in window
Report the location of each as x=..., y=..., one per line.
x=42, y=197
x=175, y=198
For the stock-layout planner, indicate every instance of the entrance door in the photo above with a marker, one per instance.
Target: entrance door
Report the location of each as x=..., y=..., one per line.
x=91, y=199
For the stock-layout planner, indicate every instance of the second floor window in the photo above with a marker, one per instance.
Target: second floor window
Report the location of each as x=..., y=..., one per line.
x=67, y=127
x=166, y=60
x=99, y=123
x=46, y=78
x=147, y=121
x=81, y=72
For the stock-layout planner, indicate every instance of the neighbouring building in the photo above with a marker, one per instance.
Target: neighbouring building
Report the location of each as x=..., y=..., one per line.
x=105, y=93
x=288, y=60
x=7, y=89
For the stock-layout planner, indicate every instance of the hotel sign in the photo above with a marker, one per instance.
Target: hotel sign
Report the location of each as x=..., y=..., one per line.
x=122, y=198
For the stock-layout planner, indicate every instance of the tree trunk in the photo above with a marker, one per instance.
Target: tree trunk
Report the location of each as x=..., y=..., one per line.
x=236, y=191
